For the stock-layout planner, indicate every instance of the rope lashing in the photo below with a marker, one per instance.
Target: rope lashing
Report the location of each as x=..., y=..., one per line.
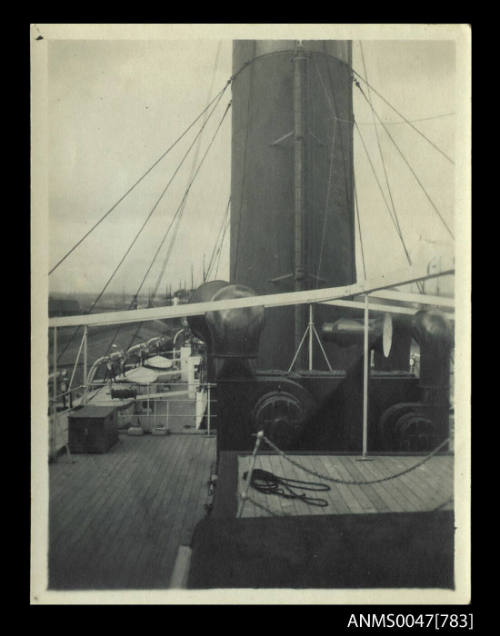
x=270, y=484
x=360, y=482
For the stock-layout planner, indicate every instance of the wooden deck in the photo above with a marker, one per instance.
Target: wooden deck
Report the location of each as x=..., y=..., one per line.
x=117, y=520
x=422, y=489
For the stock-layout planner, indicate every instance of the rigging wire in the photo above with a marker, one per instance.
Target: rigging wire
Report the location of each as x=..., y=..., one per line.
x=383, y=160
x=394, y=123
x=220, y=248
x=217, y=257
x=217, y=97
x=183, y=201
x=217, y=240
x=378, y=183
x=145, y=223
x=409, y=165
x=164, y=154
x=356, y=207
x=386, y=176
x=406, y=120
x=231, y=79
x=184, y=198
x=193, y=166
x=150, y=214
x=167, y=256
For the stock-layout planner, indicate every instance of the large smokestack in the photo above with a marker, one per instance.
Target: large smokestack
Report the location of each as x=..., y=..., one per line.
x=292, y=215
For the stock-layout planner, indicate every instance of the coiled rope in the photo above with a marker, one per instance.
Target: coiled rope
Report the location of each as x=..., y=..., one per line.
x=270, y=484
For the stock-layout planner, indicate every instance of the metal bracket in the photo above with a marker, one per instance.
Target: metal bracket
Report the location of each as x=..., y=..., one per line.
x=278, y=141
x=278, y=279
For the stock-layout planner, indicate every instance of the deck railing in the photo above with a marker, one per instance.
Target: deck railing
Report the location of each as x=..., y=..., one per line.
x=377, y=288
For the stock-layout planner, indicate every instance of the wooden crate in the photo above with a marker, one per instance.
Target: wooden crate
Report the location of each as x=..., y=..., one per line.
x=92, y=429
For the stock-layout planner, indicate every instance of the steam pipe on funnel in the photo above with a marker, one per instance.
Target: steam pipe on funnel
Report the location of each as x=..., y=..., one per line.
x=299, y=81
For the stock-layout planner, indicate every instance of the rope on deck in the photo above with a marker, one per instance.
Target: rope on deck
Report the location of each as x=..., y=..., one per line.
x=260, y=437
x=354, y=482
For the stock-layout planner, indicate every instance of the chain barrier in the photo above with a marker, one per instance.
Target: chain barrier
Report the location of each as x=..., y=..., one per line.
x=354, y=483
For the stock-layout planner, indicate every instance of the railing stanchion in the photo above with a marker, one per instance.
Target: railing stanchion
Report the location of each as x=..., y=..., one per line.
x=85, y=364
x=244, y=494
x=208, y=410
x=366, y=354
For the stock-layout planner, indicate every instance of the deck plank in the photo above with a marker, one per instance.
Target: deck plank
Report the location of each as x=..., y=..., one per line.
x=141, y=562
x=312, y=463
x=339, y=505
x=152, y=554
x=418, y=487
x=285, y=469
x=279, y=505
x=107, y=523
x=75, y=513
x=109, y=518
x=364, y=493
x=398, y=487
x=412, y=492
x=432, y=484
x=374, y=470
x=185, y=513
x=282, y=468
x=371, y=492
x=199, y=498
x=136, y=532
x=349, y=493
x=249, y=509
x=203, y=495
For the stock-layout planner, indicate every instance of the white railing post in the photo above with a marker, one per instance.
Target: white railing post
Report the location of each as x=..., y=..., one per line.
x=365, y=377
x=311, y=325
x=54, y=384
x=208, y=410
x=54, y=367
x=85, y=364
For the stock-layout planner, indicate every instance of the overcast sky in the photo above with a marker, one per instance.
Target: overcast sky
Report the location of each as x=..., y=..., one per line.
x=115, y=106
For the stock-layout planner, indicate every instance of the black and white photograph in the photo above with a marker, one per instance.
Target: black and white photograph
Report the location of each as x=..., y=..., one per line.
x=250, y=272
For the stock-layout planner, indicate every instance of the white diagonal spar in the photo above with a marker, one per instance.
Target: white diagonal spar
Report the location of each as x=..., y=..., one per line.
x=402, y=277
x=423, y=299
